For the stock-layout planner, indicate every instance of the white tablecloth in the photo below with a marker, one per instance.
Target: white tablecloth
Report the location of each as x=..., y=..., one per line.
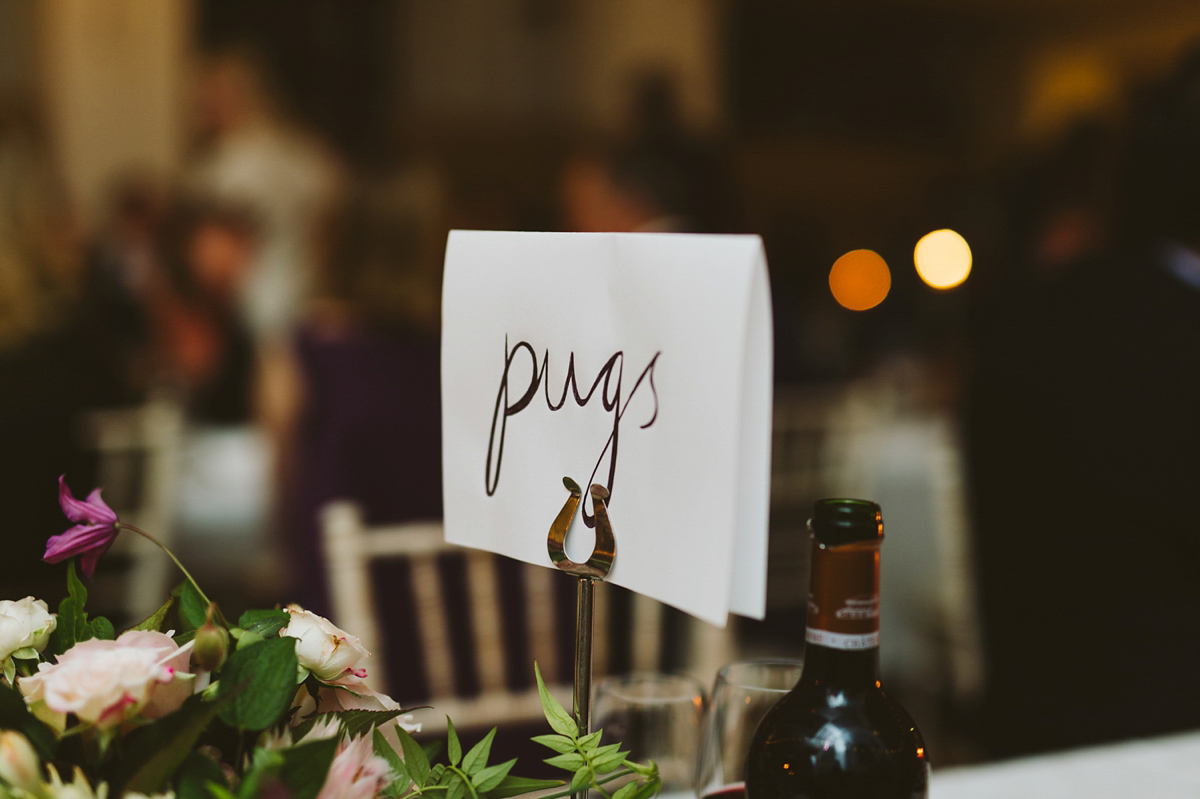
x=1157, y=768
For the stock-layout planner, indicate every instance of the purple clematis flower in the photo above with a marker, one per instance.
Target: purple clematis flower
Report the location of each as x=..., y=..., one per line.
x=94, y=531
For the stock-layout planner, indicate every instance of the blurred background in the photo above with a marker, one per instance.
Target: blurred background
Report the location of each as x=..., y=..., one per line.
x=221, y=234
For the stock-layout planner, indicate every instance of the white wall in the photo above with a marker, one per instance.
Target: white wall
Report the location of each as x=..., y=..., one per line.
x=114, y=83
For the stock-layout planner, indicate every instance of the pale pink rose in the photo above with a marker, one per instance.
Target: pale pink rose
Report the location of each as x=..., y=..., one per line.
x=323, y=648
x=106, y=682
x=25, y=627
x=167, y=697
x=356, y=773
x=351, y=693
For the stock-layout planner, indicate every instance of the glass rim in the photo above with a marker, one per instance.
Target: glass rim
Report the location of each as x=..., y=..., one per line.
x=687, y=687
x=724, y=673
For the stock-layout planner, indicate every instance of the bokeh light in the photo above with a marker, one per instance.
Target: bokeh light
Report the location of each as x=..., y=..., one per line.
x=860, y=280
x=943, y=259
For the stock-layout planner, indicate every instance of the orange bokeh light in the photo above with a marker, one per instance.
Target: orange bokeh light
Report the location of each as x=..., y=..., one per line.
x=860, y=280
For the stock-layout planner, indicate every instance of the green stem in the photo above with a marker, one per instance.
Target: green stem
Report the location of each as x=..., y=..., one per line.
x=170, y=554
x=594, y=784
x=466, y=779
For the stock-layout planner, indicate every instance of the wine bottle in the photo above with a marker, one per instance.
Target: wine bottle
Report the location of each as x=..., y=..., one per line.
x=837, y=735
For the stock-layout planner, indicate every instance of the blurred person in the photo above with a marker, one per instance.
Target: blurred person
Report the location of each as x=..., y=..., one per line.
x=368, y=423
x=122, y=264
x=251, y=156
x=1082, y=431
x=630, y=190
x=204, y=251
x=661, y=179
x=205, y=354
x=55, y=362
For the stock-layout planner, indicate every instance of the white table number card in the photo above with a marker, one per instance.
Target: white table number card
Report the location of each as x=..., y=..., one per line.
x=638, y=361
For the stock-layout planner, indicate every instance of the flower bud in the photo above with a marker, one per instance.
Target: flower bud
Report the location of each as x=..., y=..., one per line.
x=19, y=766
x=212, y=644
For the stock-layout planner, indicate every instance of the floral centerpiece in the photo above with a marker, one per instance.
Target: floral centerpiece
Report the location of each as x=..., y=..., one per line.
x=187, y=704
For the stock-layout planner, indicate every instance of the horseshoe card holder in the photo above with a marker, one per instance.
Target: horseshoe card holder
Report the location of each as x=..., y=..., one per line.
x=596, y=568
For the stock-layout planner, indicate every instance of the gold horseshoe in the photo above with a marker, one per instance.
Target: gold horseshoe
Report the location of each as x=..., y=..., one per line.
x=601, y=560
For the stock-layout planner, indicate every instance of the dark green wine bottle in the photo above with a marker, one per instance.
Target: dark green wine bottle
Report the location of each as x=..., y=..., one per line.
x=837, y=735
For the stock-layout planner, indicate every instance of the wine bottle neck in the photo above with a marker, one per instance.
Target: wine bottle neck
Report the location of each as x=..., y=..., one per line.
x=843, y=614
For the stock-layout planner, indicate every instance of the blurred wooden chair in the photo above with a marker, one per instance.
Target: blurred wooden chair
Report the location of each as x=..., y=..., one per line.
x=489, y=611
x=137, y=453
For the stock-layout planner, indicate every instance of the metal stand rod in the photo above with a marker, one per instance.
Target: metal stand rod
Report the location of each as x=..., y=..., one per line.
x=583, y=652
x=596, y=568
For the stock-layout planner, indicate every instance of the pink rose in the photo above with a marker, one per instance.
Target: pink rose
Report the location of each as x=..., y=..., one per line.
x=106, y=682
x=356, y=773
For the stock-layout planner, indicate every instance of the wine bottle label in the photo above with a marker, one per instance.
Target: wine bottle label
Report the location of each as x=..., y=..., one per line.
x=841, y=640
x=843, y=597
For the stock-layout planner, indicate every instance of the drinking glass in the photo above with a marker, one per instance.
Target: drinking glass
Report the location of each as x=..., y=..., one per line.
x=656, y=717
x=742, y=695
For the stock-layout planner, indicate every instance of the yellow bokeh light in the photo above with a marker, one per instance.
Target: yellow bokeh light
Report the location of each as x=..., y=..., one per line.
x=943, y=259
x=860, y=280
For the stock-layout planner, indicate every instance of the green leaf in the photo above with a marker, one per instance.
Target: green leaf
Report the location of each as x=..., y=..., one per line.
x=72, y=626
x=588, y=742
x=453, y=748
x=627, y=790
x=476, y=759
x=64, y=637
x=304, y=767
x=102, y=628
x=439, y=775
x=247, y=638
x=358, y=722
x=608, y=759
x=353, y=723
x=514, y=786
x=154, y=752
x=195, y=776
x=75, y=587
x=569, y=761
x=384, y=749
x=193, y=610
x=75, y=625
x=154, y=621
x=414, y=758
x=432, y=748
x=15, y=715
x=262, y=680
x=581, y=778
x=488, y=778
x=648, y=789
x=266, y=623
x=458, y=788
x=560, y=720
x=559, y=743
